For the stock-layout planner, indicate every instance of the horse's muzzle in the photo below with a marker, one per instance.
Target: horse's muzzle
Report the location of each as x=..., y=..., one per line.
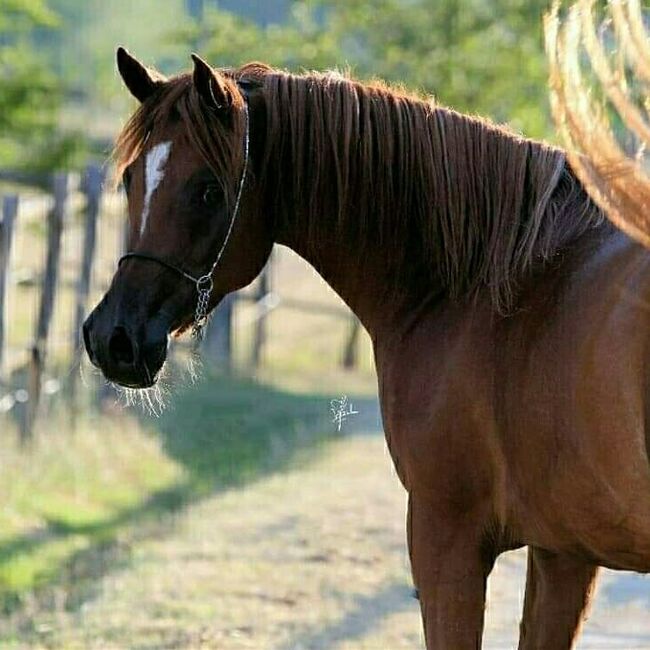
x=127, y=355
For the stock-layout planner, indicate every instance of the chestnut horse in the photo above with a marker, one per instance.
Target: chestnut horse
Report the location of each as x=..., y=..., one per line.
x=509, y=319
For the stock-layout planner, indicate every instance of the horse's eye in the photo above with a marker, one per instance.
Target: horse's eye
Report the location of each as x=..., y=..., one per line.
x=211, y=196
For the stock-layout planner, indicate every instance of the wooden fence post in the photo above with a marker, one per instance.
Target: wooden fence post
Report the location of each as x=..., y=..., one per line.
x=55, y=220
x=263, y=290
x=217, y=345
x=350, y=356
x=92, y=189
x=9, y=211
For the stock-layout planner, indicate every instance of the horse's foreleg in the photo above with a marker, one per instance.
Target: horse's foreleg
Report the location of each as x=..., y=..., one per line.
x=558, y=590
x=450, y=572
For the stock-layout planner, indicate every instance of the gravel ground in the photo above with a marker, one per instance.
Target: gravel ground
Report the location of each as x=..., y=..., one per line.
x=313, y=558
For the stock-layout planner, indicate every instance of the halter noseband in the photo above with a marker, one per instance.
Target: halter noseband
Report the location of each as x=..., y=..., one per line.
x=204, y=283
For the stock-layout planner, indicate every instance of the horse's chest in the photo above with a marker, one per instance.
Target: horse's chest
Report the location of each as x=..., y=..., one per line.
x=435, y=396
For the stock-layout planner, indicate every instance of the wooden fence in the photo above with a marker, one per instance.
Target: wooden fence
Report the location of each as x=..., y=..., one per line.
x=22, y=384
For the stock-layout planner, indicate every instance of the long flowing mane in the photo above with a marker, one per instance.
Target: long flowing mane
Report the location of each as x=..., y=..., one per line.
x=452, y=200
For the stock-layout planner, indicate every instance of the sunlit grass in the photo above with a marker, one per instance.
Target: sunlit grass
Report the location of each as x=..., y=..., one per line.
x=61, y=494
x=71, y=495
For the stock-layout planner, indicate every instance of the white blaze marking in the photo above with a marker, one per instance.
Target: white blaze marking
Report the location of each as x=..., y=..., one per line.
x=154, y=173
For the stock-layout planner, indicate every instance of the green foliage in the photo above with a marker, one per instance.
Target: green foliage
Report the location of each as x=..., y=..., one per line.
x=30, y=95
x=482, y=56
x=82, y=51
x=22, y=15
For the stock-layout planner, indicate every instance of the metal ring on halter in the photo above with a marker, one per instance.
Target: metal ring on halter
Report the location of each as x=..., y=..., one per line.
x=205, y=284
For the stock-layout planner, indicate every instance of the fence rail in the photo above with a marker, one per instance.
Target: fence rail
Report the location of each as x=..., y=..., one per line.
x=9, y=210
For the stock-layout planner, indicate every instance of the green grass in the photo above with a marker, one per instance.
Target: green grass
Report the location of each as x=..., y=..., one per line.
x=61, y=496
x=72, y=500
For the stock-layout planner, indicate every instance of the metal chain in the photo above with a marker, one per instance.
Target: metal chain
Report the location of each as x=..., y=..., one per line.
x=204, y=288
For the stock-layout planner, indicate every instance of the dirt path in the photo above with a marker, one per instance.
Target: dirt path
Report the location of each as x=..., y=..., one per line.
x=311, y=559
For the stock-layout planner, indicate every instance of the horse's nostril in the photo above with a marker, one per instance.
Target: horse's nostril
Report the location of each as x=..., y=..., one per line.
x=120, y=347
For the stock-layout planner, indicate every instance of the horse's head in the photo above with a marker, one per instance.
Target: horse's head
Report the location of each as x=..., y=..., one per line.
x=183, y=157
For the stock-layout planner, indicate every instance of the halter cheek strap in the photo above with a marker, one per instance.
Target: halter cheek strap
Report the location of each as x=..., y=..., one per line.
x=204, y=283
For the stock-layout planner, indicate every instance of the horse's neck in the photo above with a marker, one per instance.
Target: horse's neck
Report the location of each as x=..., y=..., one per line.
x=364, y=283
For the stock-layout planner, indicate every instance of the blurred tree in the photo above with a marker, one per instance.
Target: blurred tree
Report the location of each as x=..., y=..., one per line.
x=82, y=51
x=30, y=94
x=27, y=105
x=60, y=95
x=483, y=56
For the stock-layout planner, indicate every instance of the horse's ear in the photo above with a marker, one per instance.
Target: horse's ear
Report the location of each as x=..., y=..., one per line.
x=140, y=81
x=210, y=86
